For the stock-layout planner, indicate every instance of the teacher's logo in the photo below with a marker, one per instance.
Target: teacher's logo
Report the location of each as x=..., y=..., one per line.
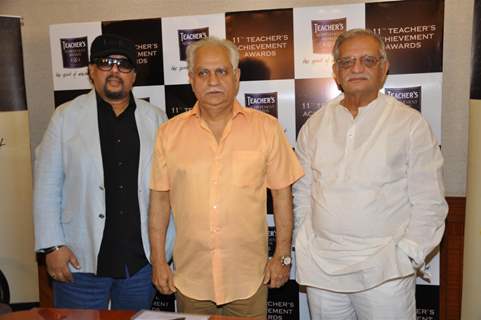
x=409, y=95
x=74, y=52
x=265, y=102
x=325, y=33
x=188, y=36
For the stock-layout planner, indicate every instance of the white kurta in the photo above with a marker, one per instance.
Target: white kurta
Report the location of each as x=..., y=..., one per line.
x=371, y=205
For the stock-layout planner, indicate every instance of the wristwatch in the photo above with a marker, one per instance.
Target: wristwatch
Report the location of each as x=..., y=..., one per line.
x=50, y=249
x=286, y=261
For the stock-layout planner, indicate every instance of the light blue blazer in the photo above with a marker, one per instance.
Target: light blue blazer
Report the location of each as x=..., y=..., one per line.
x=69, y=193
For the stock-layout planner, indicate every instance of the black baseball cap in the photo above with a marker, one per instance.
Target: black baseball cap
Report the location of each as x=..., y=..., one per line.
x=107, y=44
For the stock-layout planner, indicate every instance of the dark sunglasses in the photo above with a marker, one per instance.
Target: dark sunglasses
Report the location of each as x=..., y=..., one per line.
x=106, y=64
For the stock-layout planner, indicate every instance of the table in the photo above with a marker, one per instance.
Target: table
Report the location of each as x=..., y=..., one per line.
x=73, y=314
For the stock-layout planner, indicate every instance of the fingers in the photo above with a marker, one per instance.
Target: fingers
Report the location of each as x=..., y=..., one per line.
x=165, y=286
x=57, y=264
x=64, y=276
x=74, y=262
x=60, y=274
x=276, y=275
x=267, y=274
x=171, y=283
x=67, y=275
x=163, y=279
x=278, y=280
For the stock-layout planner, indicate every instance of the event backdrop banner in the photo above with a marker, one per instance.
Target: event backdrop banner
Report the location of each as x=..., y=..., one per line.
x=286, y=71
x=17, y=258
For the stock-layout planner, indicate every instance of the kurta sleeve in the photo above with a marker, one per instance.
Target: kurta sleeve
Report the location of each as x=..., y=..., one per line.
x=426, y=194
x=302, y=188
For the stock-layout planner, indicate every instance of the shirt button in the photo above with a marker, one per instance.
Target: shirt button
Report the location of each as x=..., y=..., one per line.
x=118, y=140
x=215, y=206
x=121, y=187
x=121, y=212
x=120, y=163
x=101, y=187
x=101, y=216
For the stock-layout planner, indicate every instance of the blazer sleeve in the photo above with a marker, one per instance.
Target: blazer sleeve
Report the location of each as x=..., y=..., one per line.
x=48, y=185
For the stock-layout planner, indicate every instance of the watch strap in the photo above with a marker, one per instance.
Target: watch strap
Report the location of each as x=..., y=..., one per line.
x=51, y=249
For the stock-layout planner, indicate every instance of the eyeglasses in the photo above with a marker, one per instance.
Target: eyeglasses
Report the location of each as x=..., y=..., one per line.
x=106, y=64
x=367, y=61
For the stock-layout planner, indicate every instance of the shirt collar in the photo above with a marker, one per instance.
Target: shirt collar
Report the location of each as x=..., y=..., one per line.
x=371, y=105
x=361, y=110
x=236, y=109
x=104, y=106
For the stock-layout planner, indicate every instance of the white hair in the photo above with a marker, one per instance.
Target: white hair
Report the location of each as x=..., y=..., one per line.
x=346, y=35
x=212, y=41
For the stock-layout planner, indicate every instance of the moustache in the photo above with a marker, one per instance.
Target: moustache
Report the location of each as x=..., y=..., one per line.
x=214, y=90
x=358, y=77
x=115, y=78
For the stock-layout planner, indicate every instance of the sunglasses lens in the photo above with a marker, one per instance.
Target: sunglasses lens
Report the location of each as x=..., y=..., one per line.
x=106, y=64
x=124, y=65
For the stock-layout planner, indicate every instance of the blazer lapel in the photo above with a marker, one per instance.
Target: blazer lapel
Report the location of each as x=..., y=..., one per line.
x=144, y=127
x=90, y=132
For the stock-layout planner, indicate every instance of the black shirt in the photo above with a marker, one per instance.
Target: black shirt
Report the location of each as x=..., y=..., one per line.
x=121, y=252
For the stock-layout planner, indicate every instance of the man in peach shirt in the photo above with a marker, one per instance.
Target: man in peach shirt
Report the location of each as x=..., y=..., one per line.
x=212, y=166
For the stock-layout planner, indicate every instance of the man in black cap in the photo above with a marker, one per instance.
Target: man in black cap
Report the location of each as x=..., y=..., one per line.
x=91, y=189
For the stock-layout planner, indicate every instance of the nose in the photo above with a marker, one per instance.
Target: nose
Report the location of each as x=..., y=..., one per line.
x=213, y=79
x=358, y=66
x=115, y=68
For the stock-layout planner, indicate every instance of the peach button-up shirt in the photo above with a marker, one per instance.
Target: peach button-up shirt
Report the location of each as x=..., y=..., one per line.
x=218, y=197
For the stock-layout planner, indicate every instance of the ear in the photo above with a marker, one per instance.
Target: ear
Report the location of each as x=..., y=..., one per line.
x=335, y=76
x=191, y=76
x=89, y=71
x=237, y=74
x=335, y=70
x=134, y=76
x=385, y=69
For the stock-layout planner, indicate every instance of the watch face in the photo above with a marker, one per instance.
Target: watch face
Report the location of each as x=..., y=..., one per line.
x=286, y=261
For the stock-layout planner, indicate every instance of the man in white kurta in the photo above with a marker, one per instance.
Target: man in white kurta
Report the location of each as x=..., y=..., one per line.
x=371, y=205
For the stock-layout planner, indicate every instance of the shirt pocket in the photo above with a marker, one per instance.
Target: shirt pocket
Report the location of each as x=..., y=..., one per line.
x=248, y=168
